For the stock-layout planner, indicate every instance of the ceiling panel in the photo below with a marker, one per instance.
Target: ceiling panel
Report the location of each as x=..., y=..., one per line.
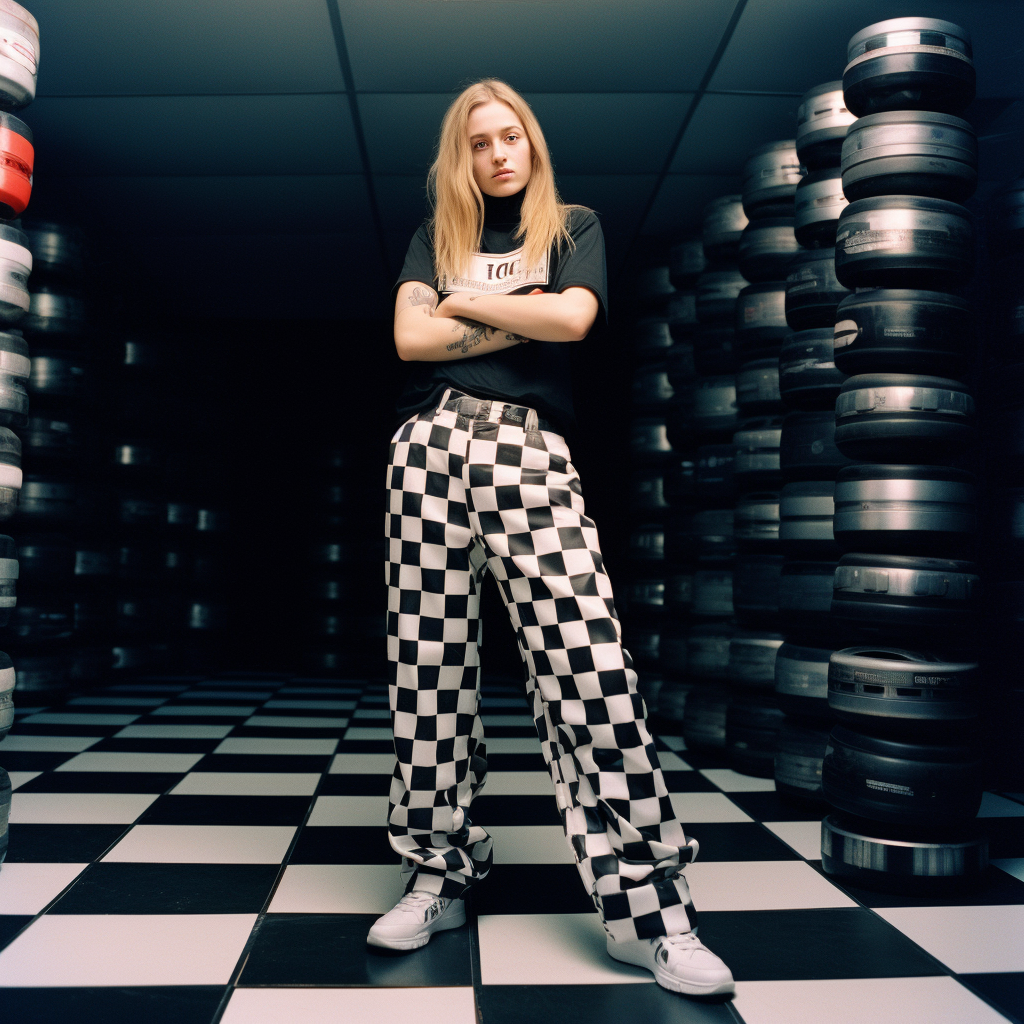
x=102, y=47
x=618, y=199
x=536, y=45
x=725, y=129
x=401, y=130
x=203, y=135
x=214, y=205
x=403, y=203
x=798, y=44
x=679, y=207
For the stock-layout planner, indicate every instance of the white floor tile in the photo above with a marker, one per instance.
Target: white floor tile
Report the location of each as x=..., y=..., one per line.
x=504, y=702
x=358, y=733
x=761, y=885
x=200, y=710
x=349, y=810
x=338, y=889
x=382, y=713
x=73, y=950
x=53, y=744
x=311, y=705
x=802, y=836
x=968, y=940
x=27, y=888
x=204, y=844
x=937, y=1000
x=550, y=949
x=350, y=1005
x=1013, y=866
x=362, y=764
x=78, y=718
x=993, y=806
x=519, y=784
x=298, y=722
x=248, y=784
x=229, y=694
x=508, y=721
x=674, y=742
x=174, y=732
x=672, y=762
x=513, y=745
x=20, y=778
x=317, y=690
x=530, y=844
x=79, y=808
x=116, y=702
x=733, y=782
x=695, y=807
x=126, y=761
x=270, y=745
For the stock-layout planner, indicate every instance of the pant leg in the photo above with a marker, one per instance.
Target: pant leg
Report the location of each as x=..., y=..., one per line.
x=526, y=503
x=433, y=569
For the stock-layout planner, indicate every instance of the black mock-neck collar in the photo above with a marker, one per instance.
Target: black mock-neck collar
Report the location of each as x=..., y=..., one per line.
x=501, y=211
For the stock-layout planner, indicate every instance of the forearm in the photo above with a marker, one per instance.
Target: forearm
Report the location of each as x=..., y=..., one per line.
x=420, y=337
x=551, y=316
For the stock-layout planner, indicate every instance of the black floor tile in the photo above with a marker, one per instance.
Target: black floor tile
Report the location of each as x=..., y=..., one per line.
x=117, y=888
x=597, y=1004
x=336, y=844
x=32, y=760
x=516, y=763
x=1004, y=991
x=68, y=844
x=10, y=925
x=698, y=759
x=772, y=807
x=287, y=733
x=366, y=747
x=788, y=945
x=156, y=745
x=330, y=949
x=998, y=888
x=738, y=840
x=263, y=763
x=688, y=782
x=102, y=782
x=532, y=889
x=226, y=810
x=1005, y=836
x=355, y=785
x=515, y=810
x=179, y=1004
x=45, y=729
x=511, y=731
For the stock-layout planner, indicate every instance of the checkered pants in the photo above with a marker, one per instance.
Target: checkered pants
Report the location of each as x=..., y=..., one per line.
x=470, y=490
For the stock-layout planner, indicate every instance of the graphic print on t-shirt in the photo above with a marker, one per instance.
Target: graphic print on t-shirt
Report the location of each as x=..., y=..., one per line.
x=497, y=274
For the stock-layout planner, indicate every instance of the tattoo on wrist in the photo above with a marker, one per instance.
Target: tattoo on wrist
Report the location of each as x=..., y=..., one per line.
x=516, y=337
x=473, y=334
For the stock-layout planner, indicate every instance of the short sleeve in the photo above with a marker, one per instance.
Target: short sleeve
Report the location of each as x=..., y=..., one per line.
x=583, y=264
x=419, y=261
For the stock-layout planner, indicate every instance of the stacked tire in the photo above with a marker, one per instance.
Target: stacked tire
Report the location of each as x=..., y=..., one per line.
x=902, y=768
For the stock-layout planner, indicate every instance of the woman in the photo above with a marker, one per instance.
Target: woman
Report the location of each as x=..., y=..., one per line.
x=481, y=479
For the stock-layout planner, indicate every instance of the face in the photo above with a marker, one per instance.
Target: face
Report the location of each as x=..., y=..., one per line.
x=501, y=151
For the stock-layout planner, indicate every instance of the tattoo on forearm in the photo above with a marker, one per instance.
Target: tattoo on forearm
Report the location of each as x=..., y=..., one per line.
x=422, y=297
x=516, y=337
x=472, y=334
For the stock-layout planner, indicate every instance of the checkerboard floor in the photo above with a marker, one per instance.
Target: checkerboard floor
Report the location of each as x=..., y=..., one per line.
x=191, y=850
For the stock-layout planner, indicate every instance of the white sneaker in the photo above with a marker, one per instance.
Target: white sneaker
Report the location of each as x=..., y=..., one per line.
x=680, y=963
x=416, y=917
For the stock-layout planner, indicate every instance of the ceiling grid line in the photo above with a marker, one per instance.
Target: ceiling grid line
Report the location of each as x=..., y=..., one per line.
x=702, y=88
x=334, y=13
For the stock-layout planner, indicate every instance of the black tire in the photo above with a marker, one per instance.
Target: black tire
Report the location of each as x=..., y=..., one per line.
x=50, y=438
x=717, y=291
x=885, y=779
x=647, y=492
x=904, y=242
x=760, y=320
x=910, y=152
x=756, y=522
x=715, y=481
x=756, y=587
x=909, y=64
x=757, y=453
x=15, y=262
x=707, y=651
x=752, y=724
x=822, y=120
x=713, y=593
x=652, y=337
x=11, y=477
x=714, y=406
x=903, y=509
x=752, y=659
x=57, y=249
x=652, y=389
x=15, y=368
x=1005, y=221
x=905, y=596
x=819, y=202
x=902, y=330
x=672, y=702
x=680, y=365
x=714, y=349
x=801, y=681
x=813, y=291
x=903, y=417
x=808, y=376
x=57, y=375
x=18, y=73
x=647, y=544
x=767, y=248
x=806, y=511
x=770, y=177
x=681, y=314
x=686, y=260
x=652, y=287
x=704, y=718
x=901, y=689
x=7, y=683
x=672, y=653
x=799, y=752
x=55, y=310
x=649, y=439
x=807, y=450
x=46, y=499
x=724, y=221
x=805, y=596
x=757, y=388
x=47, y=560
x=680, y=477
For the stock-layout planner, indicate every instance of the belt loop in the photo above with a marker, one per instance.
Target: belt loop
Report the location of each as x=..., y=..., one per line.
x=532, y=422
x=444, y=401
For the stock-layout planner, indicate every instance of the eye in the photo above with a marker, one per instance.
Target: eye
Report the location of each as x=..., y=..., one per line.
x=512, y=137
x=479, y=143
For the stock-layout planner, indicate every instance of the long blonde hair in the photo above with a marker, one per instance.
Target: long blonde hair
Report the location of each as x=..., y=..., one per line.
x=457, y=222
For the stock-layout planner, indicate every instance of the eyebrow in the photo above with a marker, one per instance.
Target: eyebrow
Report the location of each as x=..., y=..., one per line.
x=483, y=135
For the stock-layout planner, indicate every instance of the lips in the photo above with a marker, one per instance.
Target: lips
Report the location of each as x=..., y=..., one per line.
x=503, y=174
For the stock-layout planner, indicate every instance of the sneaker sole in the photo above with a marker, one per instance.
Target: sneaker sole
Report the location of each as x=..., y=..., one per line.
x=673, y=984
x=420, y=939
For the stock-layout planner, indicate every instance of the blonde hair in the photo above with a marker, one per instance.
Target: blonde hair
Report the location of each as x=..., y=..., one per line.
x=457, y=222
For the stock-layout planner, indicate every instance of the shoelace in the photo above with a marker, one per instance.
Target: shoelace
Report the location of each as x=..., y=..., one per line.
x=684, y=940
x=419, y=900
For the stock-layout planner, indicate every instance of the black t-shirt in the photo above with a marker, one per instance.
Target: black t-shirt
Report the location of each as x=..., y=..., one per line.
x=536, y=374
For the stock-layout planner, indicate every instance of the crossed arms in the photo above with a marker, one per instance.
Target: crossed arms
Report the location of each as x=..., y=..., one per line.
x=474, y=325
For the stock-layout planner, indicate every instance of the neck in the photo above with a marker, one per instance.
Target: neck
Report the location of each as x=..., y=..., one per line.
x=503, y=209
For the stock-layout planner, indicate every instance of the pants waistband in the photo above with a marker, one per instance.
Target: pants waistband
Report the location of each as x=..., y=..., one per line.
x=488, y=410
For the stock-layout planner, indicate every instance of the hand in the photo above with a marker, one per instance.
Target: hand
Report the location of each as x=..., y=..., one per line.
x=451, y=306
